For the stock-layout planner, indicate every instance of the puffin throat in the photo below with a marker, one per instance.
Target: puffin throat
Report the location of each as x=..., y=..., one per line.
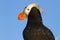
x=34, y=17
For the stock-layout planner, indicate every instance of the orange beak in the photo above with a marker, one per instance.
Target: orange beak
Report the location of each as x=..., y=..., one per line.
x=22, y=16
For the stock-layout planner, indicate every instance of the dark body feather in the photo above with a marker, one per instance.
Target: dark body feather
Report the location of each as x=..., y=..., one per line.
x=35, y=30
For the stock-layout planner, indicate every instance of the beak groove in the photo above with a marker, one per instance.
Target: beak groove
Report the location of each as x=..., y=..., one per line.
x=22, y=16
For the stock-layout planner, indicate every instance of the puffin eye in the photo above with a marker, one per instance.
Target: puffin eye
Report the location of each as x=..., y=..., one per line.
x=28, y=9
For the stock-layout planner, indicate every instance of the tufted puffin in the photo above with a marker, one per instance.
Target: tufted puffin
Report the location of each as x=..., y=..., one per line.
x=35, y=29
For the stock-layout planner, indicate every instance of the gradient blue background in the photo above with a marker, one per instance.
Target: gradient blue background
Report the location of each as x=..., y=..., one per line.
x=11, y=28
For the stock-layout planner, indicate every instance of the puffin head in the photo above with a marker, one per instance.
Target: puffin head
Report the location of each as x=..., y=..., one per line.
x=27, y=11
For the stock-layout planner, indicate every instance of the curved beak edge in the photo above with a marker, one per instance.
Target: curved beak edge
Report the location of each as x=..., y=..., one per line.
x=22, y=16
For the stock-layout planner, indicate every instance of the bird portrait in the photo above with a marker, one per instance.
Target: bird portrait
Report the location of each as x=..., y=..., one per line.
x=35, y=29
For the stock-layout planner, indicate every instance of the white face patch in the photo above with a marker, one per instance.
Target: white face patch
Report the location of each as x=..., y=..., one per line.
x=27, y=10
x=29, y=7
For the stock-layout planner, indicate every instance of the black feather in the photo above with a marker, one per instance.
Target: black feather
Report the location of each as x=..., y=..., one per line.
x=35, y=30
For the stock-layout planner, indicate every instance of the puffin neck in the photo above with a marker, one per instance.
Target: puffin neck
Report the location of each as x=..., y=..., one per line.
x=34, y=21
x=34, y=17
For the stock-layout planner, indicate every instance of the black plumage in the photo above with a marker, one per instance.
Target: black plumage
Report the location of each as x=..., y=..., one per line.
x=35, y=29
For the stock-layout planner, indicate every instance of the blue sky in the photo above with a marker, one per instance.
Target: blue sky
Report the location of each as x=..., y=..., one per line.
x=11, y=28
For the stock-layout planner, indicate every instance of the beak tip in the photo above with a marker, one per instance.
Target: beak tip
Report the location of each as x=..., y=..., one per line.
x=21, y=16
